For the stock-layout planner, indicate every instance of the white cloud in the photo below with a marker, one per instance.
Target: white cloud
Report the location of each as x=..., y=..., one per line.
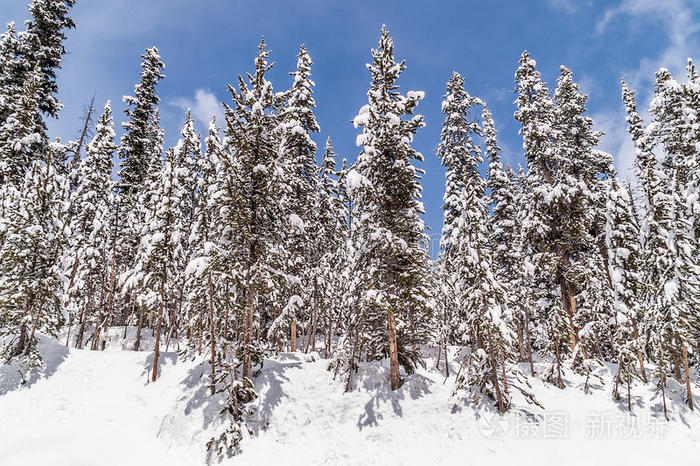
x=676, y=18
x=203, y=106
x=569, y=6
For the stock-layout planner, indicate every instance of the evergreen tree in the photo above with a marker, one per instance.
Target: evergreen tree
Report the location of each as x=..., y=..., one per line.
x=136, y=144
x=251, y=246
x=21, y=136
x=90, y=243
x=481, y=302
x=622, y=238
x=546, y=247
x=296, y=123
x=30, y=269
x=390, y=265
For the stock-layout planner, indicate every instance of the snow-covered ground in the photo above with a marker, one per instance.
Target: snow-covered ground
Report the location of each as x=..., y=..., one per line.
x=98, y=407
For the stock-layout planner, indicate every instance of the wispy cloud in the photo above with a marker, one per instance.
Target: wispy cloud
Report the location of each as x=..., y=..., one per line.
x=203, y=106
x=680, y=28
x=569, y=6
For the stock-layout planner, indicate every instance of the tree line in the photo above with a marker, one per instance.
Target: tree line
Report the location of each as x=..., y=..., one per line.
x=257, y=241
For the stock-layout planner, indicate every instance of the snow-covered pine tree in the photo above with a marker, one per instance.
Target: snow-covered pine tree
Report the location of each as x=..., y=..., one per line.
x=89, y=246
x=481, y=301
x=682, y=289
x=131, y=233
x=134, y=147
x=663, y=320
x=186, y=158
x=546, y=248
x=625, y=255
x=160, y=256
x=296, y=124
x=30, y=268
x=332, y=228
x=390, y=262
x=504, y=241
x=250, y=240
x=140, y=153
x=45, y=32
x=582, y=173
x=40, y=46
x=22, y=135
x=11, y=70
x=202, y=312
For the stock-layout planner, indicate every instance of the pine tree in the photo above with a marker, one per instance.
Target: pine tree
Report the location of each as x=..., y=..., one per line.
x=390, y=263
x=544, y=201
x=682, y=286
x=39, y=47
x=90, y=244
x=30, y=269
x=201, y=310
x=160, y=255
x=251, y=246
x=667, y=317
x=134, y=149
x=622, y=239
x=21, y=134
x=481, y=302
x=297, y=123
x=332, y=231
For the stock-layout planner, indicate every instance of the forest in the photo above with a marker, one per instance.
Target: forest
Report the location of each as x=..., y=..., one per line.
x=253, y=240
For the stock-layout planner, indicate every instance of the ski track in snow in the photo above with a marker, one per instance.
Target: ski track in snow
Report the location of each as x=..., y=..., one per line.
x=99, y=408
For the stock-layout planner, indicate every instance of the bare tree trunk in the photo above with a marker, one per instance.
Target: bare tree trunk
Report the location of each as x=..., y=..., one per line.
x=110, y=301
x=567, y=301
x=494, y=376
x=447, y=361
x=640, y=356
x=139, y=326
x=248, y=339
x=22, y=342
x=293, y=337
x=212, y=335
x=131, y=315
x=83, y=321
x=393, y=351
x=687, y=376
x=560, y=383
x=83, y=133
x=98, y=322
x=529, y=343
x=314, y=318
x=156, y=354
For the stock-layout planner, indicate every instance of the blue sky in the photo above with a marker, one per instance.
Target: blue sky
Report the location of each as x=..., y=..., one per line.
x=206, y=43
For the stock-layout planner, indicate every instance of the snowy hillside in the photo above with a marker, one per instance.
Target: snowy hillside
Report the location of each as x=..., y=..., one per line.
x=94, y=407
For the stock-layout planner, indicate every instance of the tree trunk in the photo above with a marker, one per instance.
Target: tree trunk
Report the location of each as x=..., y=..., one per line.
x=687, y=376
x=529, y=343
x=156, y=354
x=640, y=356
x=293, y=336
x=560, y=383
x=139, y=325
x=314, y=317
x=393, y=351
x=567, y=301
x=494, y=376
x=248, y=340
x=212, y=337
x=83, y=321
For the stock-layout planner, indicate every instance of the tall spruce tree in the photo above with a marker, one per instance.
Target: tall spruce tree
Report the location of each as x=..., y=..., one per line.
x=251, y=247
x=296, y=124
x=30, y=269
x=390, y=264
x=91, y=240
